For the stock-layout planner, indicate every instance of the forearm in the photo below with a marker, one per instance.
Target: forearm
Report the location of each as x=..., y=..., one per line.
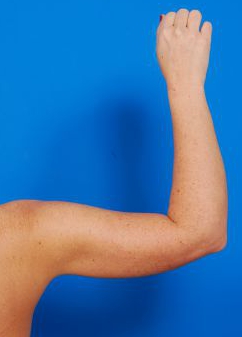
x=199, y=194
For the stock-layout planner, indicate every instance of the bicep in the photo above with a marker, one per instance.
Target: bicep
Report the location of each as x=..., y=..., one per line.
x=104, y=243
x=91, y=241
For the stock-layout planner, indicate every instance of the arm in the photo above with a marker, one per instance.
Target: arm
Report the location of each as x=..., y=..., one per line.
x=69, y=238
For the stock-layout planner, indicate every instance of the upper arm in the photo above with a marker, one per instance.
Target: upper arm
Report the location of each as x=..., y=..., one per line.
x=41, y=240
x=96, y=242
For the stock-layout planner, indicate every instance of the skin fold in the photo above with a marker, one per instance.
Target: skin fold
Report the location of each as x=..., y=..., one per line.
x=40, y=240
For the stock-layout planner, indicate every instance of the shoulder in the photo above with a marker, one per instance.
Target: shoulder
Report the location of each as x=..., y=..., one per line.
x=22, y=244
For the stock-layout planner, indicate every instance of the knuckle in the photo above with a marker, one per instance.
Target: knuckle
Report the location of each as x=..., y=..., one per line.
x=178, y=31
x=166, y=32
x=192, y=35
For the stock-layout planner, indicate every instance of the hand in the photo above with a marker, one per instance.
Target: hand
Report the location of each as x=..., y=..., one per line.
x=183, y=49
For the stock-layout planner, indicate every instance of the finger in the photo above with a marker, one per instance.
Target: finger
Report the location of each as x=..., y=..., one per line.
x=207, y=30
x=169, y=19
x=194, y=20
x=181, y=18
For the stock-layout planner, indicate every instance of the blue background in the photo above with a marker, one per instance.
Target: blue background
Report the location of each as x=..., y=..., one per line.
x=84, y=117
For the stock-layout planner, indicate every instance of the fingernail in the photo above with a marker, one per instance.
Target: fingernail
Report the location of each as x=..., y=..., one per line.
x=161, y=17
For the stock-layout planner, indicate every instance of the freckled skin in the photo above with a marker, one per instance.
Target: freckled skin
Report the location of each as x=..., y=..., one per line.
x=40, y=240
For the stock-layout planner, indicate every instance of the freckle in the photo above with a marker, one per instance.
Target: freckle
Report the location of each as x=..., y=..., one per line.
x=39, y=242
x=93, y=260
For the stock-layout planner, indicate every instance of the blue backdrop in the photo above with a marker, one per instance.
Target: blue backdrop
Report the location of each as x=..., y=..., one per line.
x=84, y=117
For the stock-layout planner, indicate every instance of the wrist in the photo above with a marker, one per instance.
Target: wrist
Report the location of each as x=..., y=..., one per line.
x=186, y=89
x=186, y=93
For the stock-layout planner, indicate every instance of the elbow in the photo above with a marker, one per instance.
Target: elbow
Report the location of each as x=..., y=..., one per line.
x=217, y=240
x=214, y=230
x=211, y=237
x=219, y=245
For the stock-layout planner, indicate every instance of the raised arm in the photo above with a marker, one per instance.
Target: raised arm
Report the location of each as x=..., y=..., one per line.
x=199, y=191
x=69, y=238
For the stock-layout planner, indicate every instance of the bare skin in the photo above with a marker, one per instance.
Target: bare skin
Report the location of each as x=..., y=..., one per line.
x=41, y=240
